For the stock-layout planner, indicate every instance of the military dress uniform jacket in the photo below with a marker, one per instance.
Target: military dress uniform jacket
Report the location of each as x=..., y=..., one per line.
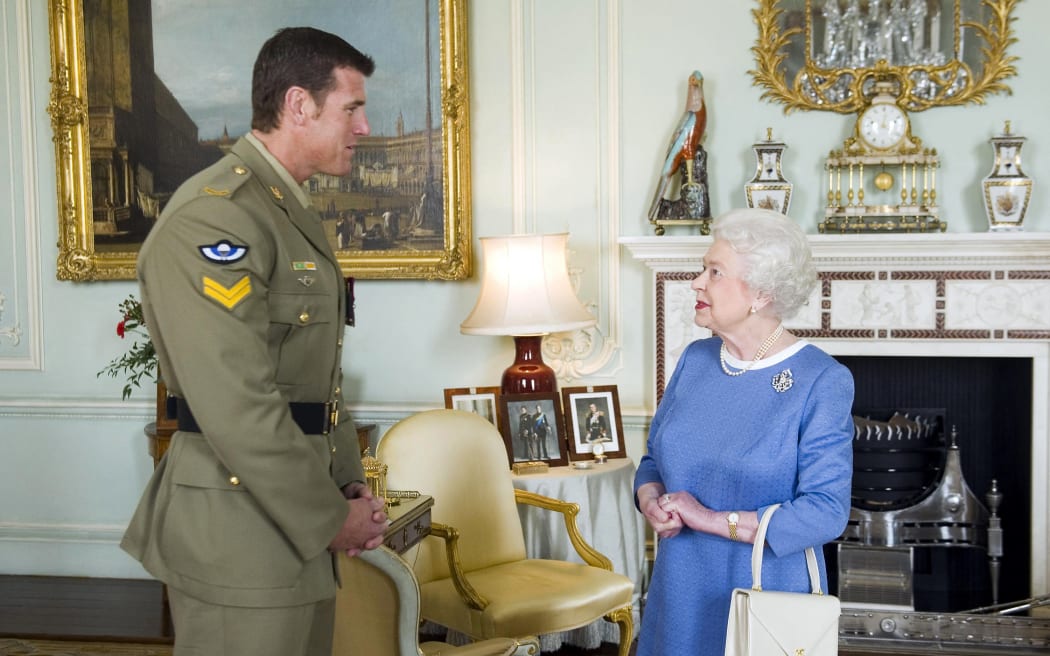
x=244, y=301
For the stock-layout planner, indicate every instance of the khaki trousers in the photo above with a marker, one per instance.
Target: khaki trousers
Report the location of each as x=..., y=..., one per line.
x=203, y=629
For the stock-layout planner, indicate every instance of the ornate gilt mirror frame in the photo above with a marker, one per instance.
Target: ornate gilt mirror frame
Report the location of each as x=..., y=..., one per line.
x=432, y=235
x=816, y=54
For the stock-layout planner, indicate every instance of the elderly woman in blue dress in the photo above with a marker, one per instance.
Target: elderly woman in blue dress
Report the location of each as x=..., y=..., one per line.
x=751, y=417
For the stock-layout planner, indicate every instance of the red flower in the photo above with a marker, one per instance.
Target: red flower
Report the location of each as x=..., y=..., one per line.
x=120, y=329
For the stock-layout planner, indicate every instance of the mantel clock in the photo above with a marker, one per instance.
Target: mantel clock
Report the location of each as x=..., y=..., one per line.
x=882, y=179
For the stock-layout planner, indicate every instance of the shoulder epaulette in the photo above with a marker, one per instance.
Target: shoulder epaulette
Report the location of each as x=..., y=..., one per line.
x=226, y=181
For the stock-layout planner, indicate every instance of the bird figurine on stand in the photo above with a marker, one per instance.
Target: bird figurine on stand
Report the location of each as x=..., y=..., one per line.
x=687, y=159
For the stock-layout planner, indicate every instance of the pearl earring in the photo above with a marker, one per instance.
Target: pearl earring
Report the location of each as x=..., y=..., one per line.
x=753, y=310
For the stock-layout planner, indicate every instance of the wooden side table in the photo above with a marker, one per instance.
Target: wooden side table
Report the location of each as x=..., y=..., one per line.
x=364, y=436
x=409, y=523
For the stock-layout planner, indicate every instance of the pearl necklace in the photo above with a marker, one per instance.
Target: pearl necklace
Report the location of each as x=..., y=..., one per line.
x=766, y=345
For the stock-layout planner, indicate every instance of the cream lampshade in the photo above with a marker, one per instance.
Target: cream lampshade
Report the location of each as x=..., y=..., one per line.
x=526, y=293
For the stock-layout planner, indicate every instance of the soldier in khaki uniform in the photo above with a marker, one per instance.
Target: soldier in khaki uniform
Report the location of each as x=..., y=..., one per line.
x=245, y=303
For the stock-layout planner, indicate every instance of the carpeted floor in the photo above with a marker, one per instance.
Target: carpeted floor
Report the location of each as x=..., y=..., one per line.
x=23, y=647
x=63, y=616
x=26, y=647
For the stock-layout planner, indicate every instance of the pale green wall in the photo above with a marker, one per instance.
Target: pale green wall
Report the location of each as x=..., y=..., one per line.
x=572, y=103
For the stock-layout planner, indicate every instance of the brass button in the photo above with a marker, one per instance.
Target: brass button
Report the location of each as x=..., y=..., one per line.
x=339, y=343
x=333, y=449
x=338, y=390
x=234, y=480
x=240, y=170
x=304, y=317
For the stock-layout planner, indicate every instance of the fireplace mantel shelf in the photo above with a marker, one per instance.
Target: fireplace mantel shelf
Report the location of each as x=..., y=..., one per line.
x=925, y=250
x=897, y=287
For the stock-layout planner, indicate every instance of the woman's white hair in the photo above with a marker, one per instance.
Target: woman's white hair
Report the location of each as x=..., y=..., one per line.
x=776, y=255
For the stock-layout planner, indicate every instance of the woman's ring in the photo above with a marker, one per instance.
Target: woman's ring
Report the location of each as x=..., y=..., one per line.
x=667, y=498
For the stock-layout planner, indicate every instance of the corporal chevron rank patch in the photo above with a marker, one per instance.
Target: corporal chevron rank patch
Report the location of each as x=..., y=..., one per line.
x=223, y=252
x=228, y=297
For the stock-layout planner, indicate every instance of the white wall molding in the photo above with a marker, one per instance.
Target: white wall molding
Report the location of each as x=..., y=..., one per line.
x=62, y=549
x=595, y=353
x=61, y=533
x=383, y=415
x=21, y=324
x=608, y=360
x=76, y=409
x=521, y=65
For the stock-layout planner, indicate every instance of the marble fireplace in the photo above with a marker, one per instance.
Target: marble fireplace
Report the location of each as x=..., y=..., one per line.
x=932, y=301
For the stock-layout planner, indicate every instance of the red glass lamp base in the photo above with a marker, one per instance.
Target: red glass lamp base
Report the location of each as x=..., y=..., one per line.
x=528, y=374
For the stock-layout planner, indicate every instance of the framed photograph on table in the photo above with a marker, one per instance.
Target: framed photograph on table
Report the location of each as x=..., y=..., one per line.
x=532, y=428
x=592, y=416
x=482, y=401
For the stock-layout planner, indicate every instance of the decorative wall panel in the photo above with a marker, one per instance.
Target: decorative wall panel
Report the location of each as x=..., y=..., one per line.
x=19, y=200
x=582, y=166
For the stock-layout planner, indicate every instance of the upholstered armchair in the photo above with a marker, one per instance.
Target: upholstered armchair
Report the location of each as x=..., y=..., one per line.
x=473, y=572
x=377, y=614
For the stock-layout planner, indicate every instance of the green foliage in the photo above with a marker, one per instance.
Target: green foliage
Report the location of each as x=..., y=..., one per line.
x=140, y=360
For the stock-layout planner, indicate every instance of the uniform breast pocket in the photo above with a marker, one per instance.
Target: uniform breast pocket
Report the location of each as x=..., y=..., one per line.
x=302, y=334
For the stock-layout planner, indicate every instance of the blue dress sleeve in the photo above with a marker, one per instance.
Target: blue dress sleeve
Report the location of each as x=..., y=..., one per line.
x=819, y=508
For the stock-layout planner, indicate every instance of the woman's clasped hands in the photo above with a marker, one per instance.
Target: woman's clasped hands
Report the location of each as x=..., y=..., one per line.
x=668, y=512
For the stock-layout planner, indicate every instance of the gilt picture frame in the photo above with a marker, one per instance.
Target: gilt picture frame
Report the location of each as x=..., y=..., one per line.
x=592, y=415
x=483, y=401
x=533, y=429
x=407, y=200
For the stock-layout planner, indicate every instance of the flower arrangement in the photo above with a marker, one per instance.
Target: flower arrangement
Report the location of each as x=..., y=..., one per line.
x=141, y=359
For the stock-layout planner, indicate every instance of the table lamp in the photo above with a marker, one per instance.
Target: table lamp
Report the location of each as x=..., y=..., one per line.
x=526, y=293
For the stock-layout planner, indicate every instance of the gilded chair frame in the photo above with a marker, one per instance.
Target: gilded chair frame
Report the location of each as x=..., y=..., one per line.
x=463, y=582
x=400, y=578
x=622, y=617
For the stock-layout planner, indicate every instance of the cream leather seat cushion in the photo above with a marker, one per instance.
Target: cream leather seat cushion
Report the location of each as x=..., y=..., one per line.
x=576, y=595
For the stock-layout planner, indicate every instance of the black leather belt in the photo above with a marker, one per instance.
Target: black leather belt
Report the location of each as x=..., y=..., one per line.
x=312, y=418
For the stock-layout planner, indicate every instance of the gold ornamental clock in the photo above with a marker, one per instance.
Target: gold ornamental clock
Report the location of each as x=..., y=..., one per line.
x=882, y=179
x=883, y=125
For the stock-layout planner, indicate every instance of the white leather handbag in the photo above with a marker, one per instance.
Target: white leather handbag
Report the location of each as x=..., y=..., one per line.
x=772, y=623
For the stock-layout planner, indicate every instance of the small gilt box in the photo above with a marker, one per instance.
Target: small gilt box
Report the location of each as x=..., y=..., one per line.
x=532, y=467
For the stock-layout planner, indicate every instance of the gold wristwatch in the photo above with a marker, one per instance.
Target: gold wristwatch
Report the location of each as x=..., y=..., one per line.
x=732, y=518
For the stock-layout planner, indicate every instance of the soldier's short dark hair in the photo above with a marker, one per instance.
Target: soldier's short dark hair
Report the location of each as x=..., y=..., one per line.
x=304, y=57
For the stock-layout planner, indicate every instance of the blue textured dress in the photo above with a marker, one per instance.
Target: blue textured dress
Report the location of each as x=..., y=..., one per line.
x=736, y=443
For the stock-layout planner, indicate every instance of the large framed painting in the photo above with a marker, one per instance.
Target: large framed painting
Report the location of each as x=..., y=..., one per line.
x=144, y=93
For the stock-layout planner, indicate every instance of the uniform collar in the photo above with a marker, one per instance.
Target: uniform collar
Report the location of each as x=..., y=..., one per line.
x=274, y=178
x=282, y=172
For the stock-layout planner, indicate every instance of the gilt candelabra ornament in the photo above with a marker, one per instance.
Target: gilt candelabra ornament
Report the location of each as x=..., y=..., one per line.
x=1007, y=189
x=375, y=474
